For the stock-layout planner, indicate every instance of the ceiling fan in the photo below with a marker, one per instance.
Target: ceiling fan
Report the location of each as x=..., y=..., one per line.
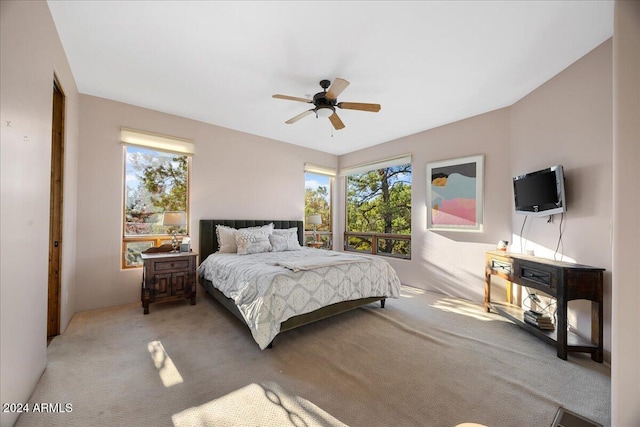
x=325, y=103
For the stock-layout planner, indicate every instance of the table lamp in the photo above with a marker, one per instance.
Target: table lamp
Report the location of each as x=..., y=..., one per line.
x=174, y=219
x=315, y=220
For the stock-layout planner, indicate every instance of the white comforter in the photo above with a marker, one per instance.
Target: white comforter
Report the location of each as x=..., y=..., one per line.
x=267, y=293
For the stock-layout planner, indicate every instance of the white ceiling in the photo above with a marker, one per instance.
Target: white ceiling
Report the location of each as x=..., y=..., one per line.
x=427, y=63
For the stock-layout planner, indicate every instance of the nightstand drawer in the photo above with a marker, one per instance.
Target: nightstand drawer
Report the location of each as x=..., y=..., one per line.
x=171, y=265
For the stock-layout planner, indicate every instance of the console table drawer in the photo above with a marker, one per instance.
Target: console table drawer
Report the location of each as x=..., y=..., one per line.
x=534, y=275
x=171, y=265
x=501, y=266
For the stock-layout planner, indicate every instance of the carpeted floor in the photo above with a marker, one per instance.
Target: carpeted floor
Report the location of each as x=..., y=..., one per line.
x=424, y=360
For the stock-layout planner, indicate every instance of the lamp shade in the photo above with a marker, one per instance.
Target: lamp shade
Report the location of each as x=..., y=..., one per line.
x=174, y=218
x=324, y=112
x=314, y=219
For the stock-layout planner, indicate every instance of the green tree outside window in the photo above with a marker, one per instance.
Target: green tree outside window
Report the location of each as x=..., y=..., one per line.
x=155, y=182
x=379, y=201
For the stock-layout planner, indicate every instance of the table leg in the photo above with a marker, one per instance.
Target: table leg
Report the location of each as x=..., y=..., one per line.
x=561, y=329
x=487, y=288
x=596, y=331
x=145, y=300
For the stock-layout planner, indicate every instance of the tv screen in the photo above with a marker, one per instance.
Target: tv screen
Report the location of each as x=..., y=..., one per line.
x=541, y=192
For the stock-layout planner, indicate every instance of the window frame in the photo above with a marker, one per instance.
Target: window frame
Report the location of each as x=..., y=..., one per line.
x=331, y=174
x=374, y=236
x=159, y=144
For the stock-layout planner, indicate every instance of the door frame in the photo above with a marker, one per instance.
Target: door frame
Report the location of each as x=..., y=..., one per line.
x=56, y=211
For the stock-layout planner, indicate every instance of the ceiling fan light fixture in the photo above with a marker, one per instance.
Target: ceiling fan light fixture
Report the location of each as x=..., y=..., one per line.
x=325, y=103
x=324, y=112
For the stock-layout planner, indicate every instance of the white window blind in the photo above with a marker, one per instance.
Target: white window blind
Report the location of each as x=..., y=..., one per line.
x=158, y=142
x=322, y=170
x=402, y=160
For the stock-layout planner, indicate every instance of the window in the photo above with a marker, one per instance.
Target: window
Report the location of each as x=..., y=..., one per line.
x=379, y=208
x=318, y=183
x=155, y=181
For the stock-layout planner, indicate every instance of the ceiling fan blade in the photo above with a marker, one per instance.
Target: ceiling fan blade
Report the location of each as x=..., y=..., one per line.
x=336, y=88
x=299, y=116
x=292, y=98
x=374, y=108
x=336, y=122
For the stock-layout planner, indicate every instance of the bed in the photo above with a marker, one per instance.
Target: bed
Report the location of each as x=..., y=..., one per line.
x=270, y=291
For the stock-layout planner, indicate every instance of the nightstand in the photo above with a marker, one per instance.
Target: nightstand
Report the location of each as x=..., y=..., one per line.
x=316, y=245
x=168, y=276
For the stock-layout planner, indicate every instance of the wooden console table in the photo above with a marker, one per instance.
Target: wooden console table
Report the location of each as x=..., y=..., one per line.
x=561, y=280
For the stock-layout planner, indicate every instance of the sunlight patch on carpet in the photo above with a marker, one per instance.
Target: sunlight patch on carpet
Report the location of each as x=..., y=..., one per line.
x=256, y=404
x=466, y=308
x=166, y=369
x=409, y=292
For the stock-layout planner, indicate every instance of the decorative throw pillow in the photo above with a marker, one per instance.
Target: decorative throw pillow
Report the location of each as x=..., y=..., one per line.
x=285, y=240
x=252, y=241
x=226, y=239
x=268, y=228
x=278, y=243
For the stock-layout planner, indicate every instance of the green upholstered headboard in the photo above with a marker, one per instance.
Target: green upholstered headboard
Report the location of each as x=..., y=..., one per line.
x=209, y=240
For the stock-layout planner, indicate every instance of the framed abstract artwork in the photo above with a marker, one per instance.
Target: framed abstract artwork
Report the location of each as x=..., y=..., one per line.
x=455, y=194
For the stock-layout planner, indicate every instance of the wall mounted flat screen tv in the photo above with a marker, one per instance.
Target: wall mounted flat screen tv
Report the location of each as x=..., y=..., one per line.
x=540, y=193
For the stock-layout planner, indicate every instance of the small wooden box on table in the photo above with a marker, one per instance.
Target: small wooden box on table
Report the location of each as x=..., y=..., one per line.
x=168, y=276
x=561, y=280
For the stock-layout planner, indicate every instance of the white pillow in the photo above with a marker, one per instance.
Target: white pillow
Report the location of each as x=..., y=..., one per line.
x=278, y=243
x=268, y=228
x=252, y=241
x=285, y=240
x=227, y=237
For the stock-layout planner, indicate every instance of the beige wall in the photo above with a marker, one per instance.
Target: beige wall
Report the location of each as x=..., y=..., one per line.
x=234, y=175
x=446, y=262
x=30, y=55
x=566, y=121
x=569, y=121
x=449, y=262
x=625, y=369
